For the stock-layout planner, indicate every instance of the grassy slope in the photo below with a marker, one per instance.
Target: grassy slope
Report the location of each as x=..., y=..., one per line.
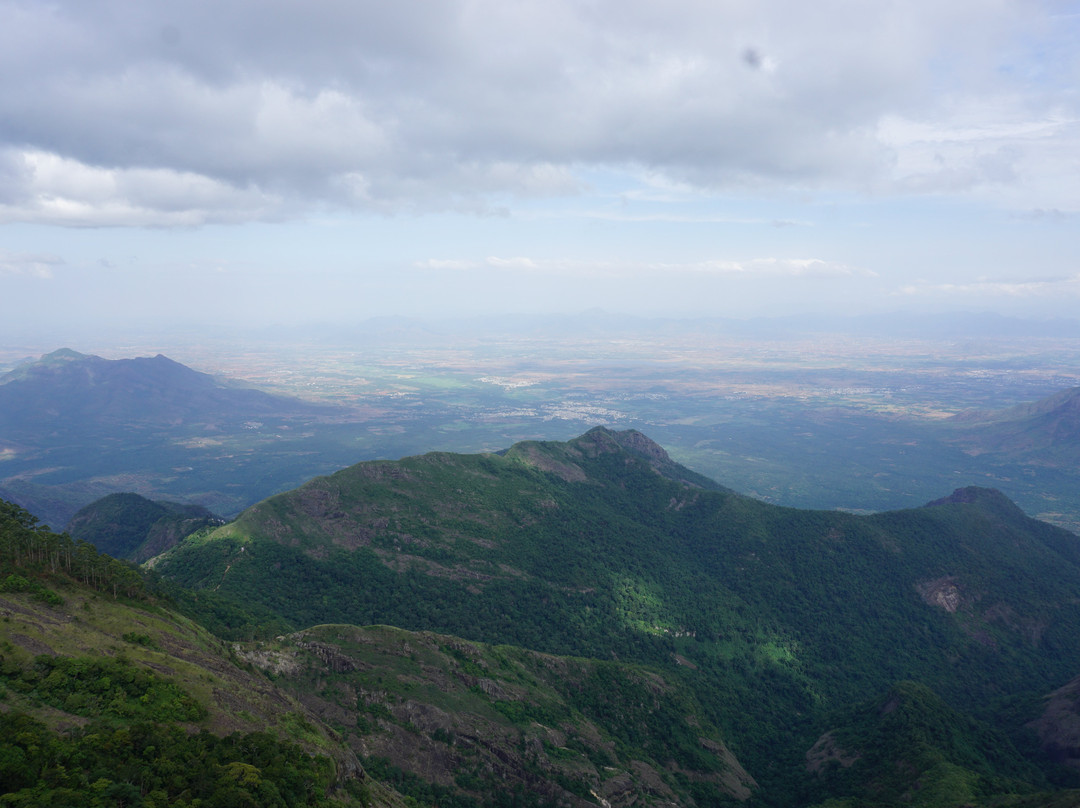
x=195, y=680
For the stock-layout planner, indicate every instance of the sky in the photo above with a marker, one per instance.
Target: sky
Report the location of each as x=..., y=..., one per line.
x=274, y=162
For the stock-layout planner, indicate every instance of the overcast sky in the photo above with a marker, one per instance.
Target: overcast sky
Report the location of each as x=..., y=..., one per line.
x=271, y=161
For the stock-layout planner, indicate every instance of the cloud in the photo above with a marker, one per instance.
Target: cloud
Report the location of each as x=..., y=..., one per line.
x=810, y=268
x=34, y=265
x=511, y=263
x=57, y=190
x=185, y=113
x=1052, y=215
x=1065, y=286
x=772, y=267
x=993, y=147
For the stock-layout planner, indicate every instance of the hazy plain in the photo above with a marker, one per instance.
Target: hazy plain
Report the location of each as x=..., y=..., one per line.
x=803, y=418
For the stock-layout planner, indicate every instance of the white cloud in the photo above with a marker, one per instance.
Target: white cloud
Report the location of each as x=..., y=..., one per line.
x=511, y=263
x=441, y=263
x=243, y=110
x=1018, y=156
x=1037, y=287
x=33, y=265
x=772, y=267
x=58, y=190
x=810, y=268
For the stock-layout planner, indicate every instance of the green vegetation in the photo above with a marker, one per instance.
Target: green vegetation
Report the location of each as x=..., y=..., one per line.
x=100, y=687
x=910, y=747
x=772, y=618
x=26, y=546
x=683, y=641
x=133, y=705
x=497, y=720
x=131, y=526
x=156, y=765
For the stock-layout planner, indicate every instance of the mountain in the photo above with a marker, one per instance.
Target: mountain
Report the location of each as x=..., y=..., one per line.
x=74, y=428
x=774, y=619
x=129, y=526
x=110, y=693
x=909, y=747
x=67, y=390
x=1044, y=432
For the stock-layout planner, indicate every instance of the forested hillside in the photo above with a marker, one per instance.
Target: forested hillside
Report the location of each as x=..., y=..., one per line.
x=108, y=697
x=776, y=619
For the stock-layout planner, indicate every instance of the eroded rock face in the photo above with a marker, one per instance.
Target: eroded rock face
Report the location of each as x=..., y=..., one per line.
x=943, y=593
x=826, y=751
x=567, y=471
x=636, y=441
x=277, y=662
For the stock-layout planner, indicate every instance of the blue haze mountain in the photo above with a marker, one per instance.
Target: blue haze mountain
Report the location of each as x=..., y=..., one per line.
x=76, y=427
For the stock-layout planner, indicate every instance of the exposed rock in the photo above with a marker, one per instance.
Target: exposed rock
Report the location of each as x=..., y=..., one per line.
x=35, y=647
x=826, y=751
x=331, y=657
x=942, y=592
x=535, y=456
x=637, y=442
x=276, y=662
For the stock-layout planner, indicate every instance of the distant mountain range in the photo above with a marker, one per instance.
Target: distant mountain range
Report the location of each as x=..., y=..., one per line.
x=575, y=623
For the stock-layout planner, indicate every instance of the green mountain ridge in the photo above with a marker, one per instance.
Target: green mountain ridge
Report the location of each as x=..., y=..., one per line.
x=909, y=747
x=773, y=618
x=114, y=699
x=578, y=623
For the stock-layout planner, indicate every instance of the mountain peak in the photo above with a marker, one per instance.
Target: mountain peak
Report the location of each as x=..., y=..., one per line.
x=973, y=495
x=602, y=439
x=63, y=355
x=989, y=500
x=569, y=460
